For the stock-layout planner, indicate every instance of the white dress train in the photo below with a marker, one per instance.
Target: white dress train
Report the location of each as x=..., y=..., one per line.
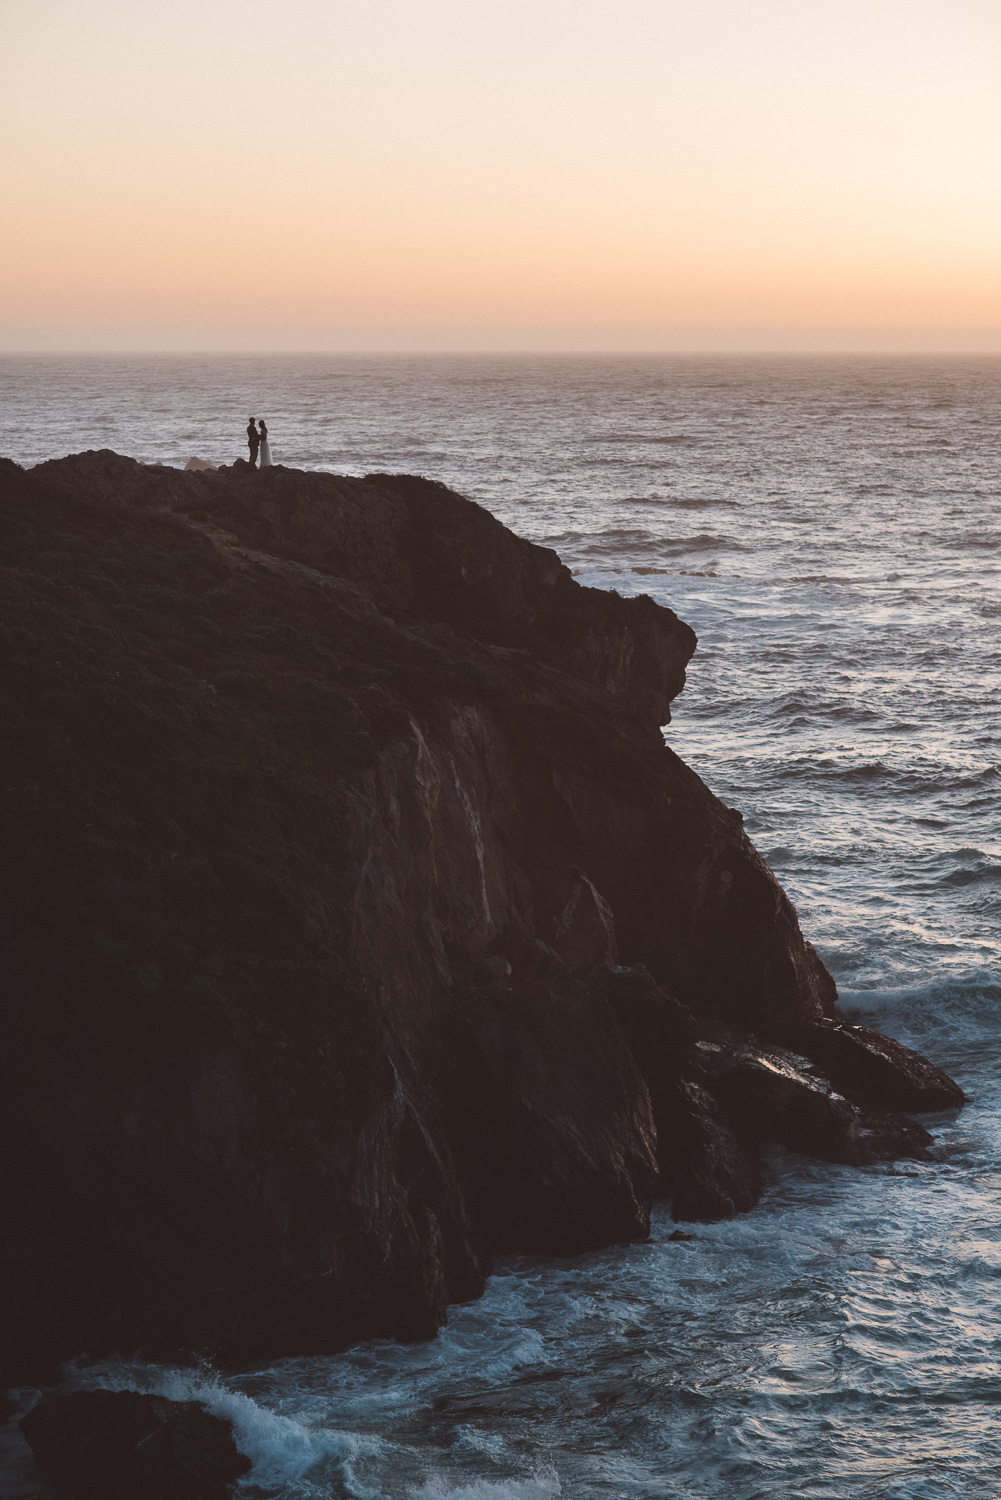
x=266, y=459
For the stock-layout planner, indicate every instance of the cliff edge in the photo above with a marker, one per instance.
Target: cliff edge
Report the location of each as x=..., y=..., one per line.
x=357, y=921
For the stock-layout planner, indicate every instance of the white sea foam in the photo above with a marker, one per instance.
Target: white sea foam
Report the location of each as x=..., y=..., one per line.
x=543, y=1487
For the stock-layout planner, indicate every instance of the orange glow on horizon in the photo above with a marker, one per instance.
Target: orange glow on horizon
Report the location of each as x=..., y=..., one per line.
x=757, y=164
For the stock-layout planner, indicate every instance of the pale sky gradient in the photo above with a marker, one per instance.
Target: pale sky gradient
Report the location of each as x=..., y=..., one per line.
x=527, y=174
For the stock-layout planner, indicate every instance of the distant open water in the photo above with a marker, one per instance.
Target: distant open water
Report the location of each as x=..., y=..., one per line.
x=830, y=527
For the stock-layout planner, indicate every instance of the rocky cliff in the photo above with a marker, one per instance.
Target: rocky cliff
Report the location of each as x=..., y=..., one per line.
x=357, y=921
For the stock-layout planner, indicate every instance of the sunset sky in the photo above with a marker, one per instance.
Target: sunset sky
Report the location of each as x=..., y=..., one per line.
x=525, y=174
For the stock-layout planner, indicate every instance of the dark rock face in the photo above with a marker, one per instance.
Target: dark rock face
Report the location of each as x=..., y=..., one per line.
x=781, y=1097
x=878, y=1072
x=558, y=1138
x=718, y=1172
x=119, y=1445
x=357, y=921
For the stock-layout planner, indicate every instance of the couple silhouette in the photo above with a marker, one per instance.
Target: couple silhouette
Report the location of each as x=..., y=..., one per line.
x=258, y=440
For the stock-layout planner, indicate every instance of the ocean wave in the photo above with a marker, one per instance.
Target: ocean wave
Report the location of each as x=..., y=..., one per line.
x=614, y=463
x=875, y=770
x=976, y=541
x=281, y=1449
x=821, y=578
x=703, y=542
x=656, y=500
x=968, y=1003
x=974, y=868
x=842, y=713
x=542, y=1487
x=937, y=782
x=616, y=534
x=978, y=779
x=625, y=540
x=694, y=504
x=677, y=502
x=792, y=706
x=639, y=437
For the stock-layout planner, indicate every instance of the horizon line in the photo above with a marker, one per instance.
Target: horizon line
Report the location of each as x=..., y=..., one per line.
x=509, y=352
x=518, y=340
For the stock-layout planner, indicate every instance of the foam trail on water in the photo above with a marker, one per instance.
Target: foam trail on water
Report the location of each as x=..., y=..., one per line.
x=542, y=1488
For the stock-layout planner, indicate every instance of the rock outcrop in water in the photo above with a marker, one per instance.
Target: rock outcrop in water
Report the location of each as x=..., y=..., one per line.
x=357, y=922
x=122, y=1445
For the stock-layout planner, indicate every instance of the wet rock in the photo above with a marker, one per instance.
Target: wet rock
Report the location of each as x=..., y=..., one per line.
x=121, y=1445
x=876, y=1071
x=782, y=1097
x=888, y=1137
x=717, y=1164
x=679, y=1236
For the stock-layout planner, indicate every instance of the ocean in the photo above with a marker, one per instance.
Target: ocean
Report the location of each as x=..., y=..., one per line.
x=830, y=527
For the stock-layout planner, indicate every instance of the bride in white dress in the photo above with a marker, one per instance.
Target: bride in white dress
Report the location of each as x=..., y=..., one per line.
x=266, y=459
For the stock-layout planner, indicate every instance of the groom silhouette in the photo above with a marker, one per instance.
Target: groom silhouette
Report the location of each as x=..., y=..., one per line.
x=254, y=441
